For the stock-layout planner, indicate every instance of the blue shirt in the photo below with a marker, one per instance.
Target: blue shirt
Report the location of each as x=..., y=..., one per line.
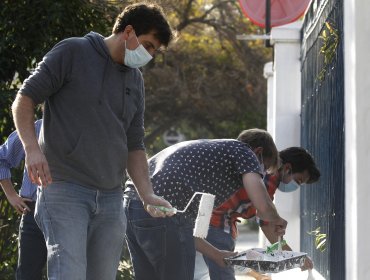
x=11, y=156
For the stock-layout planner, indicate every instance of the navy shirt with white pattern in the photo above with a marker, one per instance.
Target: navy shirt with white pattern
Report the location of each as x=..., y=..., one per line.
x=210, y=166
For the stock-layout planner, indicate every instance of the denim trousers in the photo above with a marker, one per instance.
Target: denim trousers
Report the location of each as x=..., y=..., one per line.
x=160, y=248
x=223, y=241
x=31, y=249
x=84, y=231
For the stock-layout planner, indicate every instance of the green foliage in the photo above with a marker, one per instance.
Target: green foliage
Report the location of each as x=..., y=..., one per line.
x=125, y=269
x=30, y=28
x=330, y=39
x=9, y=223
x=9, y=219
x=207, y=84
x=6, y=123
x=320, y=239
x=8, y=239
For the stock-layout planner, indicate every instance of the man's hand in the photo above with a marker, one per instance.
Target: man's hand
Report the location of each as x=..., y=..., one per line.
x=308, y=264
x=219, y=258
x=154, y=200
x=211, y=252
x=280, y=226
x=38, y=168
x=36, y=164
x=19, y=203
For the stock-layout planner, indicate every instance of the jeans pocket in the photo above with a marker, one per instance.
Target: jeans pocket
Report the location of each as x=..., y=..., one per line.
x=152, y=240
x=37, y=212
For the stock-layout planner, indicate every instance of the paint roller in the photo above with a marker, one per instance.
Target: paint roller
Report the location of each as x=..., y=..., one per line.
x=204, y=213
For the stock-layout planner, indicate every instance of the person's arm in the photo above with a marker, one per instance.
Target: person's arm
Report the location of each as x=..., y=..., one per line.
x=14, y=199
x=257, y=275
x=211, y=252
x=137, y=168
x=269, y=231
x=36, y=164
x=261, y=200
x=11, y=155
x=218, y=256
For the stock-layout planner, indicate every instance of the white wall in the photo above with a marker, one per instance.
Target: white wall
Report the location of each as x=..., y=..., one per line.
x=283, y=113
x=357, y=137
x=284, y=97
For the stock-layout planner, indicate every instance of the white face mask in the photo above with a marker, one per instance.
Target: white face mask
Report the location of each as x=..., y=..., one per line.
x=136, y=58
x=288, y=187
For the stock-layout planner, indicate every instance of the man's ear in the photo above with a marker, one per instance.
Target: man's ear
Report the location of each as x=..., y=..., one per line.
x=127, y=31
x=287, y=167
x=258, y=150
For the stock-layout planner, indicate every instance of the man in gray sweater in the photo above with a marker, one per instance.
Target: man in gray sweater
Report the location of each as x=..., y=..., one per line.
x=92, y=133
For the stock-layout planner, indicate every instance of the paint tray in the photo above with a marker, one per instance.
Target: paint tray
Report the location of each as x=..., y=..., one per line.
x=263, y=262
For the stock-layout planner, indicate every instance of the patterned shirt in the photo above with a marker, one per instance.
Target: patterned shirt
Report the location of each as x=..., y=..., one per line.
x=239, y=206
x=210, y=166
x=11, y=156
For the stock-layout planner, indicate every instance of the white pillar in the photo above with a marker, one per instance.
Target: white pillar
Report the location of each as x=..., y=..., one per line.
x=286, y=125
x=268, y=73
x=357, y=137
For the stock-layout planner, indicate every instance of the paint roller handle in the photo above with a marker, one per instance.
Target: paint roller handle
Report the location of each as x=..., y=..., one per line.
x=165, y=209
x=276, y=246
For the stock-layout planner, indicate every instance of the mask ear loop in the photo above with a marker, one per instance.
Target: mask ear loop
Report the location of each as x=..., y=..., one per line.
x=290, y=172
x=137, y=39
x=284, y=174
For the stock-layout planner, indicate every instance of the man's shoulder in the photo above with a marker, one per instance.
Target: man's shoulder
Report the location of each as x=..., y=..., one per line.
x=230, y=143
x=72, y=43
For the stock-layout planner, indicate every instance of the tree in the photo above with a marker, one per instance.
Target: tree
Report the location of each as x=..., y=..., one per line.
x=28, y=30
x=208, y=84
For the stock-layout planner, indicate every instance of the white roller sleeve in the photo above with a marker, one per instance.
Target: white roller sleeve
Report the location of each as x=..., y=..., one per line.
x=204, y=215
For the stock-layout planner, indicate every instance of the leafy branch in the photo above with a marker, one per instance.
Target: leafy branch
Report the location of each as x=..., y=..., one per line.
x=330, y=37
x=320, y=239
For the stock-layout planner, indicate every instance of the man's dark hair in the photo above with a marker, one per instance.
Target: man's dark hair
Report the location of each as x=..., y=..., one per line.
x=301, y=160
x=145, y=18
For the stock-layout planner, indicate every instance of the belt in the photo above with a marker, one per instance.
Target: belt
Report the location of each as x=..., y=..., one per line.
x=31, y=204
x=131, y=195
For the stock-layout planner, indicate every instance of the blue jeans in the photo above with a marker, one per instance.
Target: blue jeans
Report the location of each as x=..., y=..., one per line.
x=31, y=248
x=223, y=241
x=84, y=231
x=160, y=248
